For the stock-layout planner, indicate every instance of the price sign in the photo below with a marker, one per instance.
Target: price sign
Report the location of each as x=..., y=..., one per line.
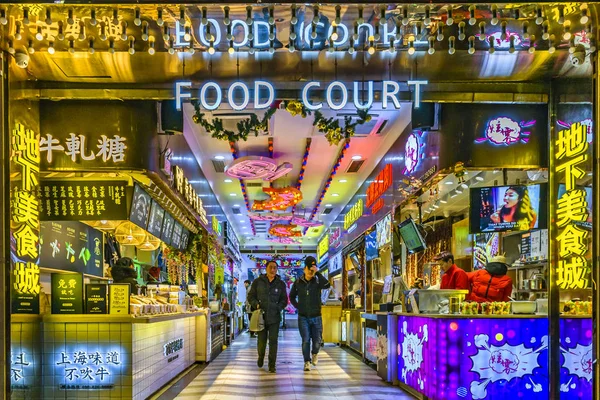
x=118, y=294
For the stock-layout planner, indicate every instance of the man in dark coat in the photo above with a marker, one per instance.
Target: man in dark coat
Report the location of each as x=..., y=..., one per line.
x=124, y=272
x=268, y=293
x=305, y=295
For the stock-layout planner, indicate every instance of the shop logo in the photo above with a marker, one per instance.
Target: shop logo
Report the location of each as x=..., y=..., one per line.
x=254, y=167
x=412, y=353
x=173, y=347
x=413, y=152
x=506, y=131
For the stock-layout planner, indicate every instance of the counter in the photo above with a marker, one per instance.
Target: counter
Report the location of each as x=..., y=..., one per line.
x=331, y=315
x=487, y=357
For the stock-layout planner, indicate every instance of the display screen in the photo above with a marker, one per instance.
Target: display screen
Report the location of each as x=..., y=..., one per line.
x=157, y=214
x=371, y=246
x=140, y=207
x=588, y=199
x=508, y=208
x=177, y=231
x=411, y=236
x=167, y=230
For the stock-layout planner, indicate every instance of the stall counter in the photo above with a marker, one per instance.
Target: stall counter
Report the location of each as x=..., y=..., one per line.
x=332, y=315
x=121, y=357
x=491, y=356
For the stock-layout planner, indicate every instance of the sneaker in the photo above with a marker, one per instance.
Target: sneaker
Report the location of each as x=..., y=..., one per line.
x=260, y=363
x=272, y=370
x=307, y=366
x=315, y=359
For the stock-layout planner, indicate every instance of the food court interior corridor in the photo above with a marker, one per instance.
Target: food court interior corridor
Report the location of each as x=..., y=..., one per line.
x=234, y=375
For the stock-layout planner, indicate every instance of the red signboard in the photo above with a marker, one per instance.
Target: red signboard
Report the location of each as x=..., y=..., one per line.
x=378, y=187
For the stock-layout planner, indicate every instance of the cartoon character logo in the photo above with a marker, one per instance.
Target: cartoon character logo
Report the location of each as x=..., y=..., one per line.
x=506, y=131
x=501, y=43
x=412, y=153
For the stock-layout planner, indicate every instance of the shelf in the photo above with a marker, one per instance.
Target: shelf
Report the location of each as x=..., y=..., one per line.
x=528, y=266
x=530, y=290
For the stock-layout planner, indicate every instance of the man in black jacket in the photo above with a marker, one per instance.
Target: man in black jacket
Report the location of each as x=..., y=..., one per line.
x=268, y=293
x=306, y=297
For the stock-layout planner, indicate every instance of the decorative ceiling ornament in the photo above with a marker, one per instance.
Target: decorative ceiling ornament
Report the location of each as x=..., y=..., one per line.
x=255, y=167
x=303, y=222
x=245, y=127
x=506, y=131
x=129, y=233
x=280, y=199
x=269, y=216
x=286, y=240
x=281, y=230
x=334, y=132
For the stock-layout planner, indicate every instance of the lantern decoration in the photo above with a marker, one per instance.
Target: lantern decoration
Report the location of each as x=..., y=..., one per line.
x=105, y=225
x=281, y=230
x=280, y=199
x=254, y=216
x=129, y=233
x=256, y=167
x=301, y=221
x=150, y=243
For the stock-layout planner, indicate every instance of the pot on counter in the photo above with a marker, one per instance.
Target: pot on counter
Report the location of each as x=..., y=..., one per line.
x=537, y=282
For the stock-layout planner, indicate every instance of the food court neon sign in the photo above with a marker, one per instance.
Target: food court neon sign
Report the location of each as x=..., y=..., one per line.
x=210, y=94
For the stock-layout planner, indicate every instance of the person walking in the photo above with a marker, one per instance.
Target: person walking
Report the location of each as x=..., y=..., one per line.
x=268, y=293
x=248, y=308
x=305, y=295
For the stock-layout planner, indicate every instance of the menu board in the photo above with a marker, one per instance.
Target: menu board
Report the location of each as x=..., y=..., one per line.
x=140, y=207
x=72, y=246
x=157, y=214
x=185, y=239
x=67, y=293
x=177, y=231
x=70, y=200
x=95, y=298
x=118, y=295
x=526, y=244
x=167, y=230
x=24, y=303
x=384, y=231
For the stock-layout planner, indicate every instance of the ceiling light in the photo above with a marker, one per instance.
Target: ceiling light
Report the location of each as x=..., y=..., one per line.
x=236, y=205
x=503, y=35
x=343, y=180
x=111, y=46
x=182, y=16
x=443, y=201
x=61, y=34
x=461, y=31
x=124, y=30
x=357, y=157
x=49, y=16
x=159, y=19
x=551, y=47
x=427, y=20
x=249, y=20
x=26, y=16
x=567, y=32
x=449, y=183
x=11, y=48
x=81, y=31
x=51, y=48
x=464, y=186
x=334, y=33
x=91, y=49
x=351, y=48
x=482, y=31
x=392, y=48
x=411, y=47
x=335, y=195
x=3, y=19
x=204, y=18
x=431, y=41
x=479, y=178
x=316, y=14
x=70, y=19
x=137, y=20
x=39, y=35
x=511, y=48
x=188, y=34
x=71, y=46
x=30, y=48
x=231, y=50
x=327, y=205
x=93, y=20
x=545, y=32
x=271, y=16
x=233, y=194
x=371, y=49
x=471, y=45
x=453, y=195
x=458, y=190
x=449, y=20
x=451, y=48
x=294, y=19
x=472, y=19
x=171, y=46
x=151, y=49
x=103, y=35
x=405, y=19
x=539, y=17
x=531, y=49
x=377, y=36
x=494, y=15
x=131, y=45
x=18, y=31
x=561, y=15
x=492, y=49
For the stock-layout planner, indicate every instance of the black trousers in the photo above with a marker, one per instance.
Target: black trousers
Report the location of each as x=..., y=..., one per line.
x=272, y=332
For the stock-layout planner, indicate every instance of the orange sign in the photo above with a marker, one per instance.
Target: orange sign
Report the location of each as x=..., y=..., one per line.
x=376, y=189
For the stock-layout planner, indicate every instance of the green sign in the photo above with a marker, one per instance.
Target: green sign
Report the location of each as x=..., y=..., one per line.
x=95, y=299
x=67, y=293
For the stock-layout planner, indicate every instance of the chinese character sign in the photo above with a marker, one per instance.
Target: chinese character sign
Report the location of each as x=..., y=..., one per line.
x=571, y=208
x=25, y=219
x=91, y=369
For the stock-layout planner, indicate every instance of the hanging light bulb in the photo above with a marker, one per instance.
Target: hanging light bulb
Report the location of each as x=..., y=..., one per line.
x=360, y=19
x=182, y=16
x=382, y=16
x=131, y=45
x=250, y=33
x=411, y=47
x=229, y=35
x=517, y=13
x=204, y=18
x=124, y=30
x=51, y=49
x=451, y=43
x=525, y=30
x=48, y=16
x=231, y=49
x=71, y=46
x=392, y=48
x=293, y=35
x=249, y=19
x=151, y=49
x=330, y=48
x=171, y=46
x=504, y=35
x=145, y=35
x=351, y=49
x=482, y=31
x=418, y=29
x=91, y=49
x=39, y=35
x=271, y=15
x=187, y=36
x=115, y=19
x=561, y=15
x=355, y=32
x=30, y=48
x=272, y=32
x=494, y=20
x=431, y=41
x=440, y=33
x=26, y=16
x=18, y=35
x=137, y=21
x=551, y=47
x=93, y=20
x=70, y=19
x=572, y=48
x=338, y=15
x=531, y=49
x=3, y=19
x=427, y=19
x=292, y=48
x=103, y=35
x=398, y=31
x=165, y=33
x=191, y=50
x=584, y=15
x=472, y=19
x=545, y=30
x=449, y=19
x=376, y=35
x=461, y=31
x=61, y=34
x=316, y=16
x=491, y=41
x=271, y=47
x=539, y=17
x=371, y=49
x=211, y=47
x=511, y=48
x=589, y=31
x=111, y=46
x=159, y=17
x=313, y=33
x=334, y=33
x=567, y=31
x=226, y=19
x=81, y=31
x=294, y=19
x=405, y=19
x=11, y=47
x=471, y=45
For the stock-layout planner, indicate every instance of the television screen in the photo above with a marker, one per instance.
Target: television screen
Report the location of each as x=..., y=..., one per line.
x=140, y=207
x=371, y=246
x=411, y=236
x=167, y=229
x=508, y=208
x=155, y=224
x=588, y=199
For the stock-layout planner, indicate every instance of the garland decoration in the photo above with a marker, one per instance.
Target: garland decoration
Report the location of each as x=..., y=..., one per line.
x=334, y=133
x=244, y=127
x=295, y=107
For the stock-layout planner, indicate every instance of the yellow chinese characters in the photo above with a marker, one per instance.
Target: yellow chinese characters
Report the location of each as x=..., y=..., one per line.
x=571, y=153
x=27, y=278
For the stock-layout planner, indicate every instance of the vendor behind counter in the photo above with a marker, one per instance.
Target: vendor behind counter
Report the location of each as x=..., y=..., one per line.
x=491, y=283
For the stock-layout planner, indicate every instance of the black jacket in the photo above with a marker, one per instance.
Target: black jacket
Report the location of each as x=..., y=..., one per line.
x=128, y=275
x=272, y=297
x=308, y=294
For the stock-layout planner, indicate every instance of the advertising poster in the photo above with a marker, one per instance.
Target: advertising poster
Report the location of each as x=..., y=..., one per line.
x=167, y=230
x=157, y=214
x=67, y=293
x=95, y=299
x=371, y=344
x=140, y=207
x=118, y=296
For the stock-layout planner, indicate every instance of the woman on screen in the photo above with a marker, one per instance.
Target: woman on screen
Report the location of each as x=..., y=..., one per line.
x=517, y=208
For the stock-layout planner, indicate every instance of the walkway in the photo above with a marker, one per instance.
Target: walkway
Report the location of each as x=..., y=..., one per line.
x=339, y=375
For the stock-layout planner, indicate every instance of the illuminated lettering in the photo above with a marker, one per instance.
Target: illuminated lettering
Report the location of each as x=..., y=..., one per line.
x=307, y=103
x=179, y=95
x=323, y=247
x=390, y=94
x=417, y=84
x=354, y=214
x=369, y=102
x=245, y=94
x=329, y=95
x=378, y=187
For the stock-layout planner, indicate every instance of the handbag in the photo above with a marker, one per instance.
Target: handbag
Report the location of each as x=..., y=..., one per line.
x=257, y=321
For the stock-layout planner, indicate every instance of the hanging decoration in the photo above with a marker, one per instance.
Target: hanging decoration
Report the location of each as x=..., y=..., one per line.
x=303, y=167
x=295, y=107
x=284, y=262
x=256, y=167
x=285, y=240
x=334, y=132
x=178, y=265
x=234, y=154
x=280, y=199
x=281, y=230
x=303, y=222
x=245, y=127
x=271, y=216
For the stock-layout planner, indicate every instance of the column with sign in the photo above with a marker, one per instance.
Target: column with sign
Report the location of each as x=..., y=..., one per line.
x=25, y=221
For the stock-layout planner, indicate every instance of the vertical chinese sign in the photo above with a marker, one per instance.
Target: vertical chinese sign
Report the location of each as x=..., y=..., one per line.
x=25, y=221
x=571, y=209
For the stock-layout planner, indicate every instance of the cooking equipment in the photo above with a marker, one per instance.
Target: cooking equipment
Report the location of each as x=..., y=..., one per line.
x=525, y=284
x=537, y=282
x=523, y=307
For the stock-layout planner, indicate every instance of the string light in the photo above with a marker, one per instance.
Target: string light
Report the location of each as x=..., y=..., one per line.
x=491, y=41
x=451, y=42
x=151, y=49
x=249, y=19
x=51, y=49
x=111, y=46
x=61, y=34
x=103, y=36
x=39, y=35
x=431, y=41
x=93, y=20
x=411, y=46
x=545, y=32
x=427, y=20
x=494, y=20
x=72, y=46
x=511, y=48
x=449, y=20
x=91, y=49
x=3, y=19
x=30, y=48
x=131, y=45
x=171, y=46
x=539, y=17
x=159, y=18
x=145, y=35
x=137, y=21
x=338, y=15
x=70, y=19
x=472, y=19
x=26, y=16
x=204, y=19
x=471, y=45
x=405, y=19
x=294, y=19
x=226, y=19
x=531, y=49
x=165, y=33
x=48, y=16
x=482, y=31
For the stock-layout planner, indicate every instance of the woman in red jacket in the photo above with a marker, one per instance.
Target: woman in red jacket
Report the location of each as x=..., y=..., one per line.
x=492, y=283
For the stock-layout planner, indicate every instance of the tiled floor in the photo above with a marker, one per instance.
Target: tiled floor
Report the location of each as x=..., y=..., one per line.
x=339, y=375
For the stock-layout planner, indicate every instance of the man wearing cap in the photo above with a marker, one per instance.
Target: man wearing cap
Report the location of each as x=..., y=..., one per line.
x=305, y=295
x=454, y=277
x=491, y=283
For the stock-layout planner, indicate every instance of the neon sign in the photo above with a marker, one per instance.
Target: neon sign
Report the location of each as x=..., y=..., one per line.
x=18, y=366
x=185, y=188
x=216, y=226
x=109, y=149
x=255, y=167
x=279, y=199
x=323, y=248
x=389, y=94
x=89, y=370
x=506, y=131
x=382, y=182
x=570, y=152
x=354, y=214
